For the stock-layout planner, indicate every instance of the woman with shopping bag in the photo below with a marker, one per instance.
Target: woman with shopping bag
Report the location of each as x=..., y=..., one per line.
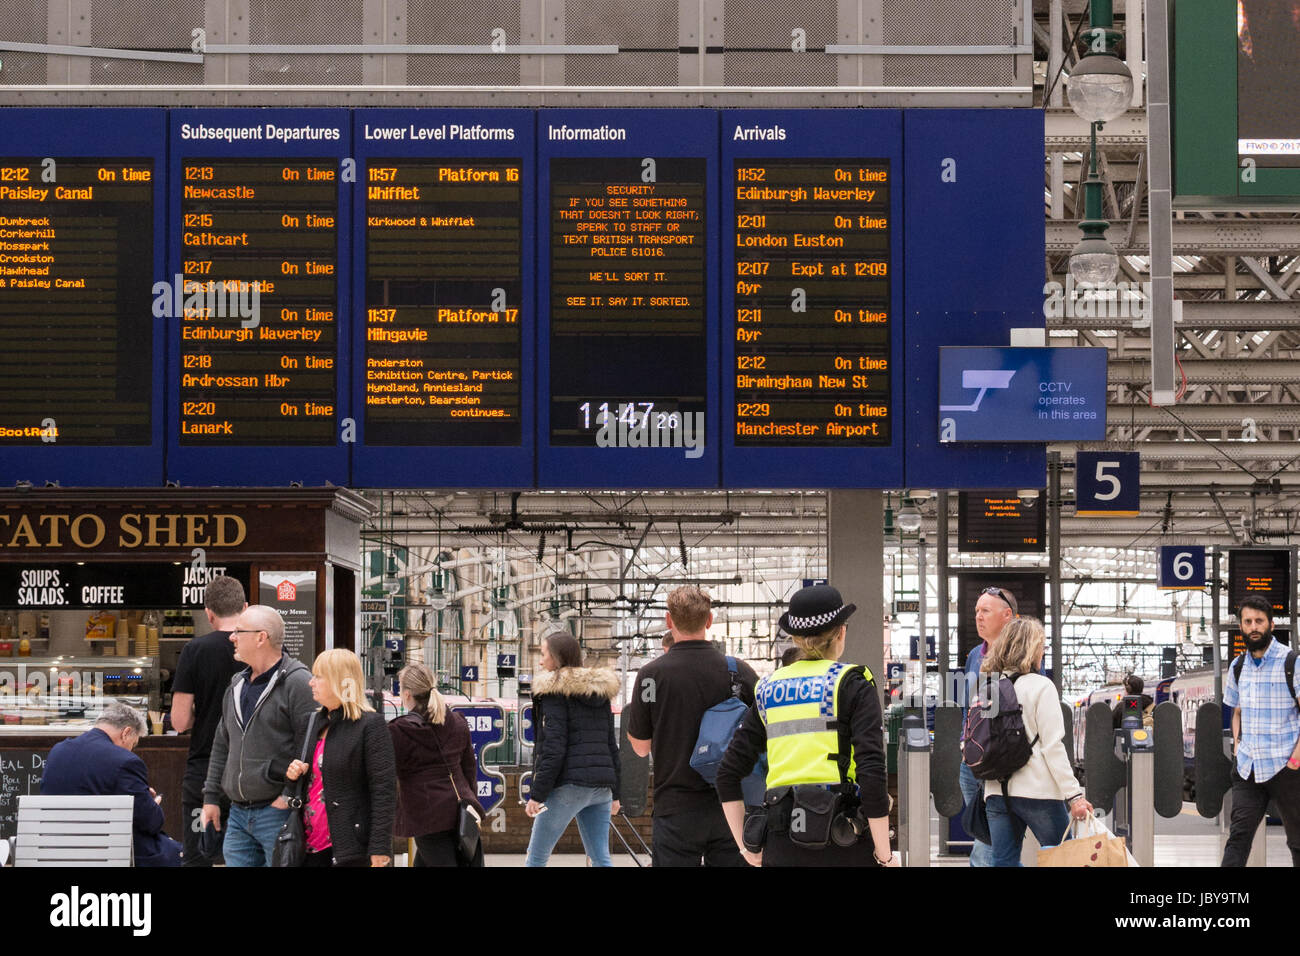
x=1038, y=794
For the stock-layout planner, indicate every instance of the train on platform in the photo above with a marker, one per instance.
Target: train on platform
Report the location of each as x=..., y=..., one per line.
x=1189, y=691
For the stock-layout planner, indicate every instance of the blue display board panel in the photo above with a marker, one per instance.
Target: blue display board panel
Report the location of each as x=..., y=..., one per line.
x=974, y=247
x=121, y=372
x=471, y=240
x=832, y=181
x=625, y=361
x=276, y=189
x=1027, y=394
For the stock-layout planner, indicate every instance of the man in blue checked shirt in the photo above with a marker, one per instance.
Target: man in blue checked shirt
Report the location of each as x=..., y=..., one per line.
x=1265, y=734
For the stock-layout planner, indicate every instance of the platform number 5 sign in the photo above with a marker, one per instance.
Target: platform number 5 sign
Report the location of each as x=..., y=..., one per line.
x=1107, y=484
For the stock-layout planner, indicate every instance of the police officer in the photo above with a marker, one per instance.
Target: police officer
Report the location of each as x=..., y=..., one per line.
x=827, y=802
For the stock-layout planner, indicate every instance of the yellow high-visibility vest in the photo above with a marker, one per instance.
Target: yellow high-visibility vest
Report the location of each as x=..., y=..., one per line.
x=798, y=705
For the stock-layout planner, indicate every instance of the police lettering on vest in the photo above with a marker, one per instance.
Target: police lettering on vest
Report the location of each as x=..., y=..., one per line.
x=798, y=707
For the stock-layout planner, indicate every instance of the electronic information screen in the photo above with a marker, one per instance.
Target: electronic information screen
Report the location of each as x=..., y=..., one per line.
x=1029, y=588
x=259, y=333
x=629, y=302
x=1263, y=573
x=444, y=302
x=76, y=328
x=812, y=302
x=1000, y=521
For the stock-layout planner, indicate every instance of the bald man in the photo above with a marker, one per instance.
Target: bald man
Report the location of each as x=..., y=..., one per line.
x=264, y=718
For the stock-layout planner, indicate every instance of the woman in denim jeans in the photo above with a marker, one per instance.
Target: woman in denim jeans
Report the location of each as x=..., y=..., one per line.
x=1043, y=794
x=575, y=758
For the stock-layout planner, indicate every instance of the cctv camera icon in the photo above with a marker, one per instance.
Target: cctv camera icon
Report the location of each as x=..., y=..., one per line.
x=983, y=379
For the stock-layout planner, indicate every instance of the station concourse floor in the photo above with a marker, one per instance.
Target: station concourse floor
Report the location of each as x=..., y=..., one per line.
x=1186, y=840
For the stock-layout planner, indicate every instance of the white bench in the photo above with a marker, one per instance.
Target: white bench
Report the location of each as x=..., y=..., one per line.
x=74, y=831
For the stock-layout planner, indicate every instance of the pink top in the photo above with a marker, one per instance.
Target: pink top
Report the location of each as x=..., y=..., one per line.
x=315, y=821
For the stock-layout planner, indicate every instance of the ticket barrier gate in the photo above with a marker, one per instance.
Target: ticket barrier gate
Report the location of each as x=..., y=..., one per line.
x=1212, y=778
x=1133, y=773
x=914, y=793
x=945, y=780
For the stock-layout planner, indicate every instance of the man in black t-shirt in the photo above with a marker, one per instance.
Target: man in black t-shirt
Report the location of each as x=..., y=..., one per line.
x=206, y=666
x=663, y=717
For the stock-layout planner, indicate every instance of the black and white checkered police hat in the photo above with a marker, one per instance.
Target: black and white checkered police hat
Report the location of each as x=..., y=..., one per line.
x=814, y=609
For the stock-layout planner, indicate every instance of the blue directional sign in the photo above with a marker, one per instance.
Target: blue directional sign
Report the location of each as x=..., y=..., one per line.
x=810, y=582
x=1108, y=484
x=1182, y=567
x=469, y=674
x=487, y=727
x=1022, y=394
x=506, y=661
x=895, y=670
x=931, y=654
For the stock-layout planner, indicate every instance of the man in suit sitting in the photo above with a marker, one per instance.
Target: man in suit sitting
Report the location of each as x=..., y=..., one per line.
x=100, y=762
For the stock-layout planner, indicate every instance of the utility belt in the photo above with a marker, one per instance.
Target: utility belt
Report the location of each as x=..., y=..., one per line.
x=811, y=816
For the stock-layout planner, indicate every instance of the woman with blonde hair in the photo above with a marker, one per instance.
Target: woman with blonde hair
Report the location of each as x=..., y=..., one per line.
x=436, y=769
x=348, y=810
x=1038, y=794
x=827, y=800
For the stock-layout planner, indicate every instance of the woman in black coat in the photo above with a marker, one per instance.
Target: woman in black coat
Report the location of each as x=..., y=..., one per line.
x=436, y=768
x=348, y=805
x=575, y=758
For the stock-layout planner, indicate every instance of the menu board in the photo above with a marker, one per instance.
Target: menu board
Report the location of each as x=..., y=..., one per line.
x=1262, y=573
x=1000, y=521
x=259, y=356
x=811, y=322
x=628, y=326
x=20, y=776
x=293, y=595
x=73, y=586
x=444, y=302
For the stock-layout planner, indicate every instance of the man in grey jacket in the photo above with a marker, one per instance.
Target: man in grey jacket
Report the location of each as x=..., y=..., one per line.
x=264, y=718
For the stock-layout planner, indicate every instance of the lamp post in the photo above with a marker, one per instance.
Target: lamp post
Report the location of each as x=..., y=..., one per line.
x=1101, y=88
x=1093, y=259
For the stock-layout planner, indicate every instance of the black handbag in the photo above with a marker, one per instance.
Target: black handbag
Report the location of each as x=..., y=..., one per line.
x=975, y=819
x=291, y=841
x=468, y=821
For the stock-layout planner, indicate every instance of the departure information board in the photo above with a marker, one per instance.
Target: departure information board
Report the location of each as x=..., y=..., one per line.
x=508, y=298
x=808, y=321
x=81, y=223
x=1000, y=521
x=811, y=322
x=258, y=361
x=629, y=337
x=260, y=273
x=75, y=301
x=444, y=317
x=444, y=294
x=1262, y=573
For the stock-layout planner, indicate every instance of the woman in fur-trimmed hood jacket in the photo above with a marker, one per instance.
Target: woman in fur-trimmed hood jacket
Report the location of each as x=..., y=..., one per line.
x=575, y=757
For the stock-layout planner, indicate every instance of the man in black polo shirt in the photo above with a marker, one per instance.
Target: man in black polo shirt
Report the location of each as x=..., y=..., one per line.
x=671, y=695
x=202, y=675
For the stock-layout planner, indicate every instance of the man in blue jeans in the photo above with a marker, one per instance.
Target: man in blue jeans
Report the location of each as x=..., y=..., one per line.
x=264, y=717
x=993, y=611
